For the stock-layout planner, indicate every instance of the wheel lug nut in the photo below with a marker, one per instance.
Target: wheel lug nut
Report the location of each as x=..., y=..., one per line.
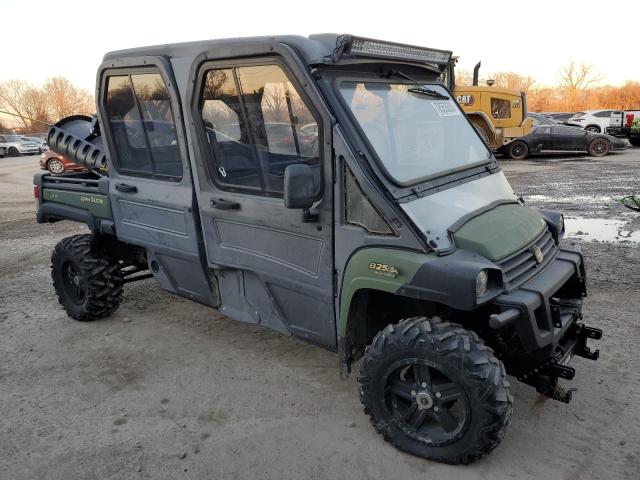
x=435, y=409
x=413, y=393
x=424, y=384
x=438, y=394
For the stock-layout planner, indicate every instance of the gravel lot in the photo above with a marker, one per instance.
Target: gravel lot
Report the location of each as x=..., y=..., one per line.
x=170, y=389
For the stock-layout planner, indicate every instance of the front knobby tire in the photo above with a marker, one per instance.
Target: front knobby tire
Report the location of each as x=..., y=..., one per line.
x=88, y=283
x=435, y=390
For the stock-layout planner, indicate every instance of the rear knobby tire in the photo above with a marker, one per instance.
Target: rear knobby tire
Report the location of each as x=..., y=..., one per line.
x=449, y=369
x=88, y=283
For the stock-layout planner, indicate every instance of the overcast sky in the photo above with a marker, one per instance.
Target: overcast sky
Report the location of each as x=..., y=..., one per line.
x=39, y=38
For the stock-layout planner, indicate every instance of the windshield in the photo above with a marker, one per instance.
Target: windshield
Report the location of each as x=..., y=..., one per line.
x=12, y=138
x=417, y=133
x=541, y=119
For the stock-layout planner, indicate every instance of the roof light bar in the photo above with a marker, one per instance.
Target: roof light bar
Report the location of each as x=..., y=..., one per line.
x=367, y=47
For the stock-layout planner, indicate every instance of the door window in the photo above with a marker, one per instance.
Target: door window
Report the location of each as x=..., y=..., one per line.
x=257, y=124
x=568, y=131
x=142, y=125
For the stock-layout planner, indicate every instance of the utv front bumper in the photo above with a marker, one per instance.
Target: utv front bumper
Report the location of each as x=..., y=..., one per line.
x=549, y=302
x=543, y=319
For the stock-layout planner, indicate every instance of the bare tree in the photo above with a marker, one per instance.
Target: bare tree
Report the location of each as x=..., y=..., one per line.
x=463, y=77
x=65, y=99
x=574, y=79
x=577, y=76
x=26, y=103
x=514, y=81
x=12, y=100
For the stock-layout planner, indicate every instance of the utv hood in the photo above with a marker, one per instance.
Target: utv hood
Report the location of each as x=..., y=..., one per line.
x=501, y=231
x=501, y=227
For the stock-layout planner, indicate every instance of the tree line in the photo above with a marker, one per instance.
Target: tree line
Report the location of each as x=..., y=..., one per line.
x=578, y=88
x=31, y=108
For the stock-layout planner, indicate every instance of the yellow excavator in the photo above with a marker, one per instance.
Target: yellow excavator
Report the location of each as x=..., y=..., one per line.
x=499, y=114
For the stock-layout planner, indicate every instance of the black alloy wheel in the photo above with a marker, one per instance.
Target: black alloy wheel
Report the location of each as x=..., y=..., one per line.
x=431, y=407
x=518, y=150
x=599, y=147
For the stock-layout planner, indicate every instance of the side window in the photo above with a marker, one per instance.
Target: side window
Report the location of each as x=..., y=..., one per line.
x=568, y=131
x=604, y=114
x=359, y=211
x=500, y=108
x=231, y=145
x=257, y=124
x=142, y=125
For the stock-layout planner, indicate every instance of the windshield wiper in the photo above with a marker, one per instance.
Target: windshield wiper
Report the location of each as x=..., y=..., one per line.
x=420, y=88
x=428, y=92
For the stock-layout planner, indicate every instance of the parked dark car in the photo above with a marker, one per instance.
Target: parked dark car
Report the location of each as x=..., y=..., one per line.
x=549, y=136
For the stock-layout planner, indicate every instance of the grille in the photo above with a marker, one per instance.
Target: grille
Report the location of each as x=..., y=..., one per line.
x=521, y=266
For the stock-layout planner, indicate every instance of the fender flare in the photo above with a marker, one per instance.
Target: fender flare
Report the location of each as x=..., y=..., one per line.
x=51, y=212
x=447, y=280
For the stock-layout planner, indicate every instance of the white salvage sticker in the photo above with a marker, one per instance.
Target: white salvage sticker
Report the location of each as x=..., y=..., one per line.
x=445, y=108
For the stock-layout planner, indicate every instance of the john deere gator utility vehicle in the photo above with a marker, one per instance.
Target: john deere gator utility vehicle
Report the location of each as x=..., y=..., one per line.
x=329, y=188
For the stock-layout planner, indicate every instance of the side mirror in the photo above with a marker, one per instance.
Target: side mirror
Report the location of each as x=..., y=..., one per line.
x=299, y=190
x=298, y=187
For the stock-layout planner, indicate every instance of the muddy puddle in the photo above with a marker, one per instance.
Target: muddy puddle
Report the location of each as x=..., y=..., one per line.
x=600, y=229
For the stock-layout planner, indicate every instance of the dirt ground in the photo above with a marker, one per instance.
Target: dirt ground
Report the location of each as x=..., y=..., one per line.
x=168, y=389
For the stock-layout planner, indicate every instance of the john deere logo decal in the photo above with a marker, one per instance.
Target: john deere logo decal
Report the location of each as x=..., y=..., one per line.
x=538, y=254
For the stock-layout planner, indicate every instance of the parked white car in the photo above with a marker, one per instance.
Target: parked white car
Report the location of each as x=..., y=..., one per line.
x=15, y=146
x=592, y=120
x=42, y=144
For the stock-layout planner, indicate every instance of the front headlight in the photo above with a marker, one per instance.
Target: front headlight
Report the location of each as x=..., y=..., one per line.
x=481, y=283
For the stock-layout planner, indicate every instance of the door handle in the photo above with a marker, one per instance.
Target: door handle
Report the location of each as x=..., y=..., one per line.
x=225, y=204
x=123, y=187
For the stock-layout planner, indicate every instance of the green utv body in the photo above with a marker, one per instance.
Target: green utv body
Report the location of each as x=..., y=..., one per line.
x=328, y=188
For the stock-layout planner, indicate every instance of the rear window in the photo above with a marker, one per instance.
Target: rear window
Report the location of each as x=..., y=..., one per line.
x=500, y=108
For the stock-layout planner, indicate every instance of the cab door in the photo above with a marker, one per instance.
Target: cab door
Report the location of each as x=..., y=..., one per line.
x=274, y=266
x=150, y=186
